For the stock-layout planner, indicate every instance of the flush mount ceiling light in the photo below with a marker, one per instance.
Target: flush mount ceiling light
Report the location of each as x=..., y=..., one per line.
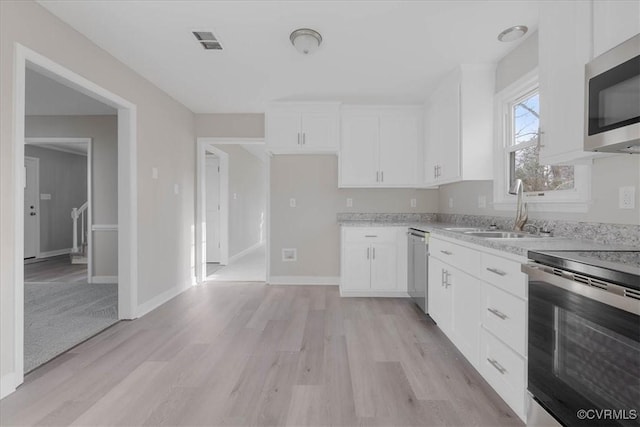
x=305, y=40
x=513, y=33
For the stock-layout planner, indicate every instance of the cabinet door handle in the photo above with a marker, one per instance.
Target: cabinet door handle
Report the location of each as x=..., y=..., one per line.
x=368, y=249
x=304, y=138
x=446, y=252
x=496, y=271
x=382, y=176
x=443, y=279
x=374, y=253
x=377, y=176
x=497, y=313
x=370, y=235
x=496, y=365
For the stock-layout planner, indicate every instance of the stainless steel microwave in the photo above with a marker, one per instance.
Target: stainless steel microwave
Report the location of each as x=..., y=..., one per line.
x=612, y=110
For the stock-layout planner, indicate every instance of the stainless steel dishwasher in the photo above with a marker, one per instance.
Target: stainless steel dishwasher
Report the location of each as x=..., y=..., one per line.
x=418, y=266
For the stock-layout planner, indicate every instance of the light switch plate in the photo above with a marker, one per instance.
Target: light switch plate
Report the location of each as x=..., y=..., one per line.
x=176, y=189
x=413, y=203
x=292, y=202
x=349, y=202
x=482, y=201
x=154, y=173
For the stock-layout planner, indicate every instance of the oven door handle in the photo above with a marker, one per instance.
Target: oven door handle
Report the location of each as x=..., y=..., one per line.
x=613, y=296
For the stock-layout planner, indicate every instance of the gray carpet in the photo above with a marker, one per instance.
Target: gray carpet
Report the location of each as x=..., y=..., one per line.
x=58, y=316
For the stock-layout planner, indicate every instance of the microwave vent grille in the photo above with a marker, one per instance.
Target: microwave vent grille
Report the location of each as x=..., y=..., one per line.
x=632, y=293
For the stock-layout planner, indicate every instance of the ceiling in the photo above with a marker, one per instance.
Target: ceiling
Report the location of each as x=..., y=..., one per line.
x=46, y=97
x=372, y=52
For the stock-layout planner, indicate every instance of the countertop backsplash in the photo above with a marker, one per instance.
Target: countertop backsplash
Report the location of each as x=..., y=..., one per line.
x=614, y=234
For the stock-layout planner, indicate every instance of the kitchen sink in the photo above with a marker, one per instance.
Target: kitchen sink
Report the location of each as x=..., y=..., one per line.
x=465, y=229
x=500, y=234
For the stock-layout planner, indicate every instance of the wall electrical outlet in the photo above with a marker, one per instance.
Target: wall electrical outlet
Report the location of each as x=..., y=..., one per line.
x=289, y=254
x=292, y=202
x=45, y=196
x=176, y=189
x=627, y=197
x=154, y=173
x=349, y=202
x=482, y=201
x=413, y=203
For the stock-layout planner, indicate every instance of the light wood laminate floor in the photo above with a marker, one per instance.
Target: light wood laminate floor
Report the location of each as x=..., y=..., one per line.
x=249, y=354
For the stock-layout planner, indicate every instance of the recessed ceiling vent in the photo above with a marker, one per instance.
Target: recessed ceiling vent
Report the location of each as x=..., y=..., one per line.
x=207, y=40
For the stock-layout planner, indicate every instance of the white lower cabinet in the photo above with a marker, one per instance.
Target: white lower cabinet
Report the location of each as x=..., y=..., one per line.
x=374, y=261
x=505, y=370
x=478, y=299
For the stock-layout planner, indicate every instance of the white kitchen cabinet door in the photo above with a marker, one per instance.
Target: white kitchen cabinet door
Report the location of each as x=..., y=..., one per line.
x=440, y=305
x=359, y=151
x=283, y=129
x=564, y=49
x=399, y=138
x=319, y=131
x=465, y=295
x=384, y=266
x=613, y=23
x=432, y=147
x=449, y=133
x=357, y=266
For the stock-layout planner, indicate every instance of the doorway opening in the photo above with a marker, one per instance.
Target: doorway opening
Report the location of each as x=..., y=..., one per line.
x=231, y=198
x=125, y=200
x=65, y=301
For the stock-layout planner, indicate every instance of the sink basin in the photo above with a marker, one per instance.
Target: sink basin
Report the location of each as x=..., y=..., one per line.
x=465, y=229
x=500, y=234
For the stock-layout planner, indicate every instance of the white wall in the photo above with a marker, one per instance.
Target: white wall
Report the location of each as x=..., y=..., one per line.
x=247, y=198
x=608, y=174
x=311, y=226
x=103, y=130
x=165, y=140
x=64, y=177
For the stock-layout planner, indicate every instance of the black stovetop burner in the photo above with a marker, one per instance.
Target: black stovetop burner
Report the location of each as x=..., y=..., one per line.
x=620, y=267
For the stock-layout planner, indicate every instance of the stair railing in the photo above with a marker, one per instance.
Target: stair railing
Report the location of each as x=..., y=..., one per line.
x=79, y=213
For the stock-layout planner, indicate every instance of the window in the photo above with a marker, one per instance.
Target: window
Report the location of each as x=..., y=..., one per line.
x=546, y=187
x=524, y=149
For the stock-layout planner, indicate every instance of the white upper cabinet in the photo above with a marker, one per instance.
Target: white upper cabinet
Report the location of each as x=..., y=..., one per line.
x=379, y=146
x=302, y=128
x=613, y=23
x=459, y=127
x=564, y=49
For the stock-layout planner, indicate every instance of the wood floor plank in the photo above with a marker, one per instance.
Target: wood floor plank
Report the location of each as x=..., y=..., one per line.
x=240, y=354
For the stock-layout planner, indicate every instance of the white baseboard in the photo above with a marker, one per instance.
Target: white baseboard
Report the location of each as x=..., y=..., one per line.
x=373, y=293
x=244, y=252
x=157, y=301
x=7, y=384
x=103, y=280
x=304, y=280
x=57, y=252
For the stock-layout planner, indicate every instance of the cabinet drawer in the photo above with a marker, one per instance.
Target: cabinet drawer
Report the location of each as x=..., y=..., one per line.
x=375, y=234
x=504, y=273
x=504, y=370
x=505, y=316
x=459, y=256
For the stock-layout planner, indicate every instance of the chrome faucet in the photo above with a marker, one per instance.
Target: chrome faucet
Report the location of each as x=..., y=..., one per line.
x=517, y=188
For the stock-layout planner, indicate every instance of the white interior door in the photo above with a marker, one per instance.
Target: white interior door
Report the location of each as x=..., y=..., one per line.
x=31, y=208
x=212, y=186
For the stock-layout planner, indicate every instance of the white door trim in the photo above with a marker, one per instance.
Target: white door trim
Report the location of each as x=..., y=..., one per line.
x=37, y=161
x=205, y=147
x=89, y=142
x=127, y=189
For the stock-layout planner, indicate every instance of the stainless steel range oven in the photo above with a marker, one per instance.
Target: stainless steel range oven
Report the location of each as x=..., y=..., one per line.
x=584, y=336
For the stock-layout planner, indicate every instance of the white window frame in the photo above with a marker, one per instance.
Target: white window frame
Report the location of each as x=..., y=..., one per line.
x=574, y=200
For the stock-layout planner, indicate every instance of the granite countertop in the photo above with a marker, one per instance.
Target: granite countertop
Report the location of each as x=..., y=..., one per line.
x=518, y=246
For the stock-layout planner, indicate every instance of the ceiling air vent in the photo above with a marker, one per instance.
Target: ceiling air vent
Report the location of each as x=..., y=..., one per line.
x=207, y=40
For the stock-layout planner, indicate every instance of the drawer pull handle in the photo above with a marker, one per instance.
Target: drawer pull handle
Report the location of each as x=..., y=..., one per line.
x=497, y=366
x=370, y=235
x=497, y=313
x=446, y=252
x=496, y=271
